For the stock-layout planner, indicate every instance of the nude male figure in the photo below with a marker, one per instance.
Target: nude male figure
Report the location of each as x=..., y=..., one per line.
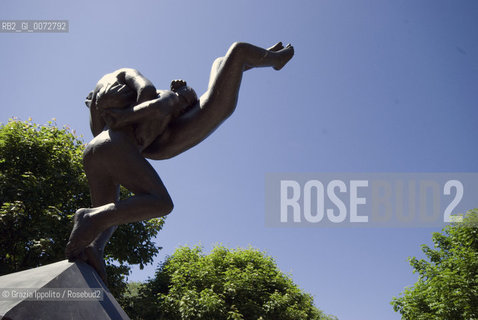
x=131, y=121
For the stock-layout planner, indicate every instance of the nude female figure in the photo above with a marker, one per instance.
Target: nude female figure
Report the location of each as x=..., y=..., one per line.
x=132, y=121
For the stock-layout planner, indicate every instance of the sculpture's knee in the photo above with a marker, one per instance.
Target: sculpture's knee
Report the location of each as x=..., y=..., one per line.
x=170, y=207
x=163, y=202
x=95, y=152
x=216, y=65
x=237, y=49
x=166, y=206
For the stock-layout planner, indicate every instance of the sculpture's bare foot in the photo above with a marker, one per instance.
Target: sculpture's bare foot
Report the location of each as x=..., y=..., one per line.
x=278, y=46
x=275, y=48
x=83, y=233
x=95, y=259
x=286, y=54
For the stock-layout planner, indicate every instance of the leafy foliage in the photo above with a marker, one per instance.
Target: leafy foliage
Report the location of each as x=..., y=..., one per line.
x=42, y=184
x=226, y=284
x=447, y=287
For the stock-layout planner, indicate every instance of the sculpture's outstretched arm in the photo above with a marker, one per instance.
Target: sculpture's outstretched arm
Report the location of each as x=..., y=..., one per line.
x=155, y=109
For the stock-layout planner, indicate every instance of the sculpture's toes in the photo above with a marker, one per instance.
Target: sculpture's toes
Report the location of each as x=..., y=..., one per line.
x=278, y=46
x=81, y=235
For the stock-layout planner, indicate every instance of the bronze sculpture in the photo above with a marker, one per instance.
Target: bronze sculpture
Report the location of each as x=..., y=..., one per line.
x=131, y=121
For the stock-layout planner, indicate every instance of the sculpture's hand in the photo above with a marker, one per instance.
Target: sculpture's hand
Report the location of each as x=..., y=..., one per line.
x=187, y=96
x=145, y=90
x=145, y=93
x=177, y=84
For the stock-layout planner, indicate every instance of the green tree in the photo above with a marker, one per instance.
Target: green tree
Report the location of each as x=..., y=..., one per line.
x=225, y=284
x=447, y=286
x=42, y=184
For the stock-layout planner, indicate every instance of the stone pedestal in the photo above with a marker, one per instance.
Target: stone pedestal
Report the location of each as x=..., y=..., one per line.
x=62, y=290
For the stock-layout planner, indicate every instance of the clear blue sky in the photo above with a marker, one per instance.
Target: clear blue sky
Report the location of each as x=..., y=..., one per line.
x=375, y=86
